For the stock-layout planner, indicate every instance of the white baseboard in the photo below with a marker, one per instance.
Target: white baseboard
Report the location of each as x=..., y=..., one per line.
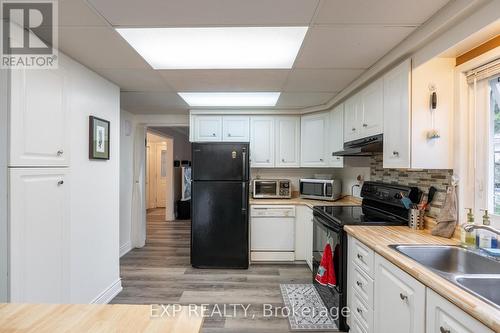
x=272, y=256
x=125, y=248
x=107, y=295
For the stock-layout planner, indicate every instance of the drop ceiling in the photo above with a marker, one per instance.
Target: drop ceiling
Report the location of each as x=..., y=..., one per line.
x=344, y=39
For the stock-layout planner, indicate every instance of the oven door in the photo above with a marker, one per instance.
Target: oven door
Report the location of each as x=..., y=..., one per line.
x=265, y=189
x=334, y=297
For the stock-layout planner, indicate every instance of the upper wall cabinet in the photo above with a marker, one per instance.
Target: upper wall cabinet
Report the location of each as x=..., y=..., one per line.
x=336, y=136
x=262, y=142
x=314, y=140
x=236, y=128
x=287, y=141
x=207, y=128
x=397, y=114
x=353, y=111
x=39, y=117
x=372, y=99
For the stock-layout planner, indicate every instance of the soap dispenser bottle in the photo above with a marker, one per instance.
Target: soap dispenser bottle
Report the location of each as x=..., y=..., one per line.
x=484, y=237
x=468, y=238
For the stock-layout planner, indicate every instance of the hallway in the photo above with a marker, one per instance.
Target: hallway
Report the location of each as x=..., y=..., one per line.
x=160, y=273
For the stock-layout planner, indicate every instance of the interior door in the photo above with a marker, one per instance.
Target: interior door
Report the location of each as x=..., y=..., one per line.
x=161, y=174
x=151, y=176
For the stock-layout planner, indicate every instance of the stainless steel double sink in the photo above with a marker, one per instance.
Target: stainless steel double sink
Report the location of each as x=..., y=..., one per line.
x=468, y=269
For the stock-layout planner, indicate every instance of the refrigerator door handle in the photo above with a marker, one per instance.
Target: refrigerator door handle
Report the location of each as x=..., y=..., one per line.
x=244, y=199
x=244, y=157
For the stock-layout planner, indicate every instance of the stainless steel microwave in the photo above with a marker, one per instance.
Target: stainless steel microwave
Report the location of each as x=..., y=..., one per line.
x=272, y=188
x=320, y=189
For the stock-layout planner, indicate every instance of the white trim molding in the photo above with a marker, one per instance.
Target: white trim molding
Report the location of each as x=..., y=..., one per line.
x=107, y=295
x=125, y=248
x=4, y=139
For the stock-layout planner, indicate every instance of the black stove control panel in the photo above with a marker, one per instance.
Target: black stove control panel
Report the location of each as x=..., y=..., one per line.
x=389, y=193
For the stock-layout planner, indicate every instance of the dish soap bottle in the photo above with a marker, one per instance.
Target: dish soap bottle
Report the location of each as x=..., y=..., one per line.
x=468, y=238
x=484, y=238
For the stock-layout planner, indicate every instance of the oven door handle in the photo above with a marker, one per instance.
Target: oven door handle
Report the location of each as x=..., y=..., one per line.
x=326, y=225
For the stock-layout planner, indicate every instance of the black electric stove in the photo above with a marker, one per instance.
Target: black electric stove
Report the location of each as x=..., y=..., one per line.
x=381, y=205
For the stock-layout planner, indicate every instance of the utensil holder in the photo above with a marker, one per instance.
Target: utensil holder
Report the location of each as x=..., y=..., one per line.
x=416, y=219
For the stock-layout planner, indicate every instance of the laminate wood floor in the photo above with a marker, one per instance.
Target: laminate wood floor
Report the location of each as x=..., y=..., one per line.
x=160, y=273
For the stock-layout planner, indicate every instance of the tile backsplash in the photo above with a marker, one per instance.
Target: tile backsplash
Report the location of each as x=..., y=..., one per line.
x=422, y=179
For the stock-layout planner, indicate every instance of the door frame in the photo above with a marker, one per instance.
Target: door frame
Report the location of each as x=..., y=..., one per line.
x=4, y=239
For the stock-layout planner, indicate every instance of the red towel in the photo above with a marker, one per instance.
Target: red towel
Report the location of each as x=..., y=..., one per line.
x=326, y=272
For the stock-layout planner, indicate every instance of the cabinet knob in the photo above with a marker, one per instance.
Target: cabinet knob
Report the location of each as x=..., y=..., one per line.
x=267, y=161
x=395, y=153
x=354, y=129
x=365, y=125
x=359, y=284
x=213, y=134
x=60, y=152
x=59, y=183
x=321, y=160
x=360, y=257
x=228, y=134
x=359, y=310
x=282, y=160
x=403, y=297
x=444, y=330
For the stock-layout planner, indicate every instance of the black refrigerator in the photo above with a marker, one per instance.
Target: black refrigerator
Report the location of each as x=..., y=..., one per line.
x=219, y=198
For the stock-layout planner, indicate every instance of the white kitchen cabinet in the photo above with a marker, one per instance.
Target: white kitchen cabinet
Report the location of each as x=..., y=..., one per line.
x=399, y=300
x=39, y=117
x=314, y=140
x=336, y=136
x=397, y=116
x=303, y=234
x=39, y=235
x=287, y=141
x=262, y=142
x=353, y=111
x=207, y=128
x=444, y=317
x=372, y=99
x=236, y=128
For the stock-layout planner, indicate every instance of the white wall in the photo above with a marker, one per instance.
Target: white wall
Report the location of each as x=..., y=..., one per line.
x=95, y=190
x=353, y=166
x=3, y=186
x=126, y=178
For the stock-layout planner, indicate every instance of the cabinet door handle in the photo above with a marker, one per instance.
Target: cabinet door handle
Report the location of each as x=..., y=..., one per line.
x=395, y=153
x=444, y=330
x=359, y=284
x=59, y=183
x=360, y=257
x=403, y=297
x=365, y=125
x=60, y=152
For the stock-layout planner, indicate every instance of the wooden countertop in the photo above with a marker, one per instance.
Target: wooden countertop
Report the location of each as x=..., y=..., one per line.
x=379, y=237
x=96, y=318
x=345, y=201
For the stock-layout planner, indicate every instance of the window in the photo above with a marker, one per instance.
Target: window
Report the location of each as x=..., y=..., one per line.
x=494, y=86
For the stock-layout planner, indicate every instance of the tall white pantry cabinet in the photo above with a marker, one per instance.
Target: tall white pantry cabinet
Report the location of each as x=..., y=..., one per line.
x=39, y=185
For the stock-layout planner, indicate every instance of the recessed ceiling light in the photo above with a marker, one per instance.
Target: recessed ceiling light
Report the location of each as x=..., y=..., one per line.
x=216, y=48
x=230, y=98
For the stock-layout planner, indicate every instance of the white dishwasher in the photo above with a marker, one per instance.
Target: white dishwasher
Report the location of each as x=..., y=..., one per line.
x=272, y=233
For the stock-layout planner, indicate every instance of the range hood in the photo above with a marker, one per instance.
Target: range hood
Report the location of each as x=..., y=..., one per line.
x=362, y=147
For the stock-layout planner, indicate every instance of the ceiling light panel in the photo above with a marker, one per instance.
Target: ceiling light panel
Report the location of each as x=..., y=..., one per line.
x=217, y=47
x=223, y=99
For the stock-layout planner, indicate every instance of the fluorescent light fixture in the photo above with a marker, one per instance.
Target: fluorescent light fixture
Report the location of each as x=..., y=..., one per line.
x=230, y=98
x=217, y=47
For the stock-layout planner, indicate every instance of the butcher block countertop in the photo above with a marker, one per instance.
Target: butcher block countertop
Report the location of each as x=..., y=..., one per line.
x=97, y=318
x=296, y=200
x=379, y=237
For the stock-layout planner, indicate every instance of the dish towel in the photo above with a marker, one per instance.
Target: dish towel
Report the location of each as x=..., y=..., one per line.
x=326, y=272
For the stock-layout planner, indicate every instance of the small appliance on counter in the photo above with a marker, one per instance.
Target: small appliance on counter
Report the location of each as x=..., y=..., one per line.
x=320, y=189
x=272, y=189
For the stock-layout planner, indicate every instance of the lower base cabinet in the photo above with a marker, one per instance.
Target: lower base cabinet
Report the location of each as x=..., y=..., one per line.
x=444, y=317
x=399, y=300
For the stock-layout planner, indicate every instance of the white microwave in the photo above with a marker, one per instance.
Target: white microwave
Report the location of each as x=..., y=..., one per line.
x=272, y=188
x=320, y=189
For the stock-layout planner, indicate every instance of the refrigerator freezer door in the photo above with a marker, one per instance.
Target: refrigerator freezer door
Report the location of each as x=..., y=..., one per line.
x=220, y=161
x=219, y=232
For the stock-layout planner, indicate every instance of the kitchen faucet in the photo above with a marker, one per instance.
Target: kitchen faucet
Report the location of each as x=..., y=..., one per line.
x=470, y=227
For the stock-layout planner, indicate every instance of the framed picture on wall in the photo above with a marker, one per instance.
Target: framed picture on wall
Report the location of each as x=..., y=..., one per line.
x=98, y=138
